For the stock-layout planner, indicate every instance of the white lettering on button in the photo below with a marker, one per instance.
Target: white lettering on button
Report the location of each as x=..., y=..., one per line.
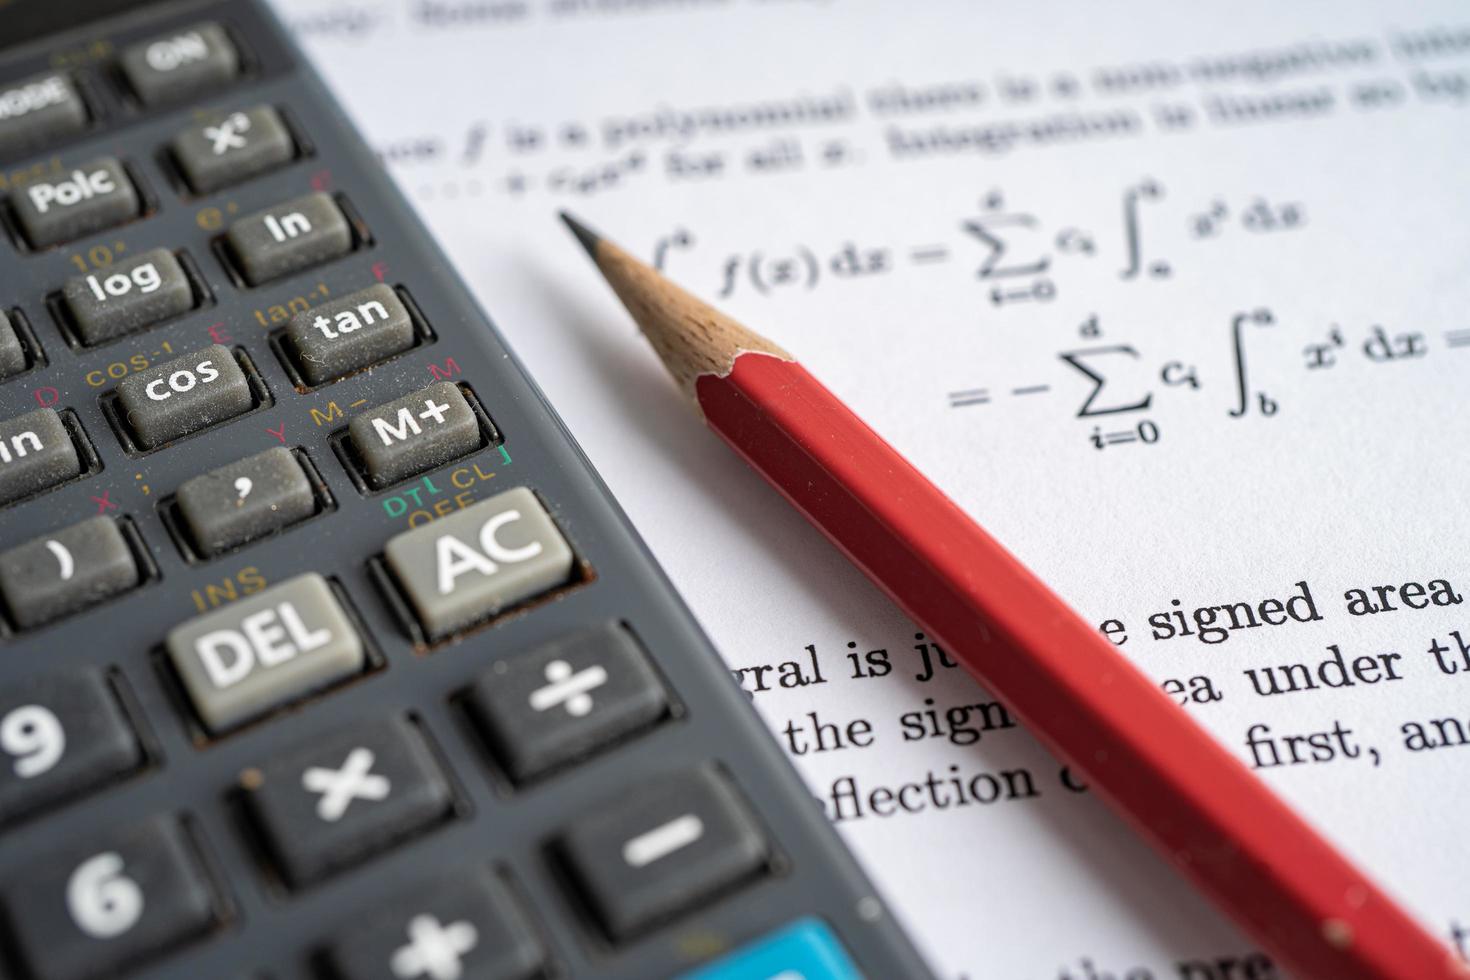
x=347, y=322
x=145, y=278
x=434, y=950
x=181, y=381
x=455, y=557
x=228, y=135
x=81, y=187
x=171, y=53
x=18, y=446
x=288, y=226
x=267, y=638
x=35, y=96
x=407, y=425
x=663, y=840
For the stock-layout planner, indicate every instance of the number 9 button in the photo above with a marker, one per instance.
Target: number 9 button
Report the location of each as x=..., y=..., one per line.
x=61, y=735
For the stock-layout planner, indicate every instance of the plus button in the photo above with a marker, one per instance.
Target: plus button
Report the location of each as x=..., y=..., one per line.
x=433, y=410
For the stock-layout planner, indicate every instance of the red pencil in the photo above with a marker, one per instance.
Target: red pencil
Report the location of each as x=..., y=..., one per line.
x=1210, y=817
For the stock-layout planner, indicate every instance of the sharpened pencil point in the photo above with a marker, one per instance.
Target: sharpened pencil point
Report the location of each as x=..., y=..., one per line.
x=585, y=235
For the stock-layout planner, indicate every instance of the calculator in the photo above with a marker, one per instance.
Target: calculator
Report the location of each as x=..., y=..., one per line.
x=324, y=652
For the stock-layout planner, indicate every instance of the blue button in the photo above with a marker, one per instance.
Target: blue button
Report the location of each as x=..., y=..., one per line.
x=804, y=950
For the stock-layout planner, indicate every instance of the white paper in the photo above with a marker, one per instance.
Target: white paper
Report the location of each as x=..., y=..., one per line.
x=1340, y=214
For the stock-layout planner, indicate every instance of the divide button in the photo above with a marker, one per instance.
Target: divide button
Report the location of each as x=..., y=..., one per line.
x=255, y=655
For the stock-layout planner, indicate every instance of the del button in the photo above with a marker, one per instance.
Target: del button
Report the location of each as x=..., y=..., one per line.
x=473, y=564
x=277, y=646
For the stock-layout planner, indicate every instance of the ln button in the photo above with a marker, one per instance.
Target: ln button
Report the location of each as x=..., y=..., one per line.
x=277, y=646
x=280, y=240
x=473, y=564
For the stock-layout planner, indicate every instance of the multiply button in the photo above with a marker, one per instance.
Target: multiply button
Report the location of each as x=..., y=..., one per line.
x=168, y=68
x=128, y=296
x=227, y=149
x=67, y=571
x=350, y=333
x=245, y=500
x=566, y=699
x=253, y=656
x=36, y=110
x=661, y=847
x=184, y=395
x=62, y=734
x=465, y=925
x=288, y=237
x=88, y=198
x=36, y=453
x=102, y=908
x=343, y=797
x=415, y=433
x=472, y=564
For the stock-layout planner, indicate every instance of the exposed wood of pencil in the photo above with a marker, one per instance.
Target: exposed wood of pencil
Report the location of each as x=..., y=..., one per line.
x=1207, y=814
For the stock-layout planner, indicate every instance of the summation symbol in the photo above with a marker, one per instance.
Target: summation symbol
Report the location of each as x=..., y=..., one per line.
x=567, y=688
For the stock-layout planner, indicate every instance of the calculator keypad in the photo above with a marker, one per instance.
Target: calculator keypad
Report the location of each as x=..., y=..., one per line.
x=180, y=64
x=227, y=149
x=275, y=647
x=62, y=734
x=183, y=396
x=84, y=199
x=289, y=237
x=34, y=111
x=36, y=454
x=345, y=796
x=466, y=924
x=128, y=296
x=662, y=847
x=105, y=905
x=245, y=500
x=473, y=564
x=566, y=699
x=348, y=334
x=66, y=571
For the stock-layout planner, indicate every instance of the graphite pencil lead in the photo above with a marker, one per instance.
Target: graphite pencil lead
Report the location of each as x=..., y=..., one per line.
x=690, y=336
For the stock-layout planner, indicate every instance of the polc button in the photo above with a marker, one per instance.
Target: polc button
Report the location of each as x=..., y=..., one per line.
x=804, y=950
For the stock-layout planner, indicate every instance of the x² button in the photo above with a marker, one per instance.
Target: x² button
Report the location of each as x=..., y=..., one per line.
x=229, y=134
x=339, y=799
x=339, y=787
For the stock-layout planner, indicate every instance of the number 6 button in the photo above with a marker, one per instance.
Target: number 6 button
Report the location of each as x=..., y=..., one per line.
x=127, y=896
x=61, y=735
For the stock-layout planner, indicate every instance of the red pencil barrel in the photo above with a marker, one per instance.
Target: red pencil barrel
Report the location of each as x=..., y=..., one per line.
x=1200, y=806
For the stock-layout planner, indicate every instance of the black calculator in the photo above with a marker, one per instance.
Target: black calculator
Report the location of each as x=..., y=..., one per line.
x=324, y=653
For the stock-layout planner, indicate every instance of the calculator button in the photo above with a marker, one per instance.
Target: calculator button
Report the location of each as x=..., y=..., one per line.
x=62, y=734
x=98, y=909
x=415, y=433
x=245, y=500
x=341, y=798
x=474, y=563
x=227, y=149
x=88, y=198
x=36, y=453
x=13, y=358
x=180, y=64
x=280, y=240
x=804, y=950
x=259, y=653
x=566, y=699
x=350, y=333
x=184, y=395
x=65, y=572
x=129, y=296
x=466, y=925
x=660, y=848
x=35, y=111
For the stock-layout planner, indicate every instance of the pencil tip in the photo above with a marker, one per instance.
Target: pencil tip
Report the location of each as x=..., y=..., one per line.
x=585, y=235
